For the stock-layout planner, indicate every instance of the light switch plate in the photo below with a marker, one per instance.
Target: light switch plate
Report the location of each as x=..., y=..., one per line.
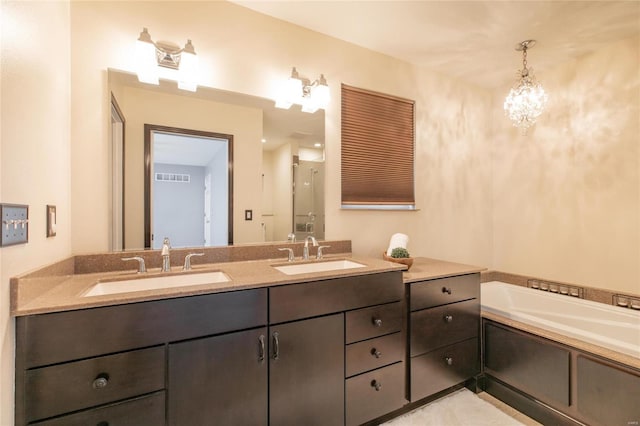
x=51, y=221
x=15, y=224
x=248, y=215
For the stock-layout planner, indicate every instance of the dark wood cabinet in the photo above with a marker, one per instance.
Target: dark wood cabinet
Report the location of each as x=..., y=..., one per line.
x=306, y=372
x=527, y=363
x=252, y=357
x=444, y=333
x=601, y=387
x=147, y=410
x=555, y=383
x=221, y=377
x=77, y=385
x=375, y=393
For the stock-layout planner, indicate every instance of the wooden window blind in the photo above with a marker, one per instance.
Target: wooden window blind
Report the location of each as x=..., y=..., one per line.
x=378, y=133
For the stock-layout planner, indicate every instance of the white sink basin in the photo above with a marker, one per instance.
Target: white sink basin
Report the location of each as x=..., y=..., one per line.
x=156, y=283
x=307, y=268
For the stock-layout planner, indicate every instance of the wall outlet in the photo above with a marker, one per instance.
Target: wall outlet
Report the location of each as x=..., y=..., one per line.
x=15, y=224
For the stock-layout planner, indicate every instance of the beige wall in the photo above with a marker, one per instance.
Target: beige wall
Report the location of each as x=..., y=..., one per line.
x=565, y=196
x=35, y=157
x=250, y=53
x=563, y=203
x=142, y=107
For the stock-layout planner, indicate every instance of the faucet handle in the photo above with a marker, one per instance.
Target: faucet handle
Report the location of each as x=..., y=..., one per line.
x=141, y=267
x=319, y=254
x=187, y=260
x=290, y=256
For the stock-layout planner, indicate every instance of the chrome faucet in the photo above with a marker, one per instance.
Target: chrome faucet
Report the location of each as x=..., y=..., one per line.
x=305, y=250
x=187, y=260
x=166, y=259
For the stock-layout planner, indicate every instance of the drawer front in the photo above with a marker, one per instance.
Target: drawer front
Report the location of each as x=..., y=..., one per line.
x=427, y=294
x=374, y=353
x=374, y=394
x=444, y=325
x=305, y=300
x=82, y=384
x=145, y=411
x=374, y=321
x=64, y=336
x=443, y=368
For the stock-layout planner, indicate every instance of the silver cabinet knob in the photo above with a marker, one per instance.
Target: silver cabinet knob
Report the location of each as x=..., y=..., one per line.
x=101, y=381
x=377, y=322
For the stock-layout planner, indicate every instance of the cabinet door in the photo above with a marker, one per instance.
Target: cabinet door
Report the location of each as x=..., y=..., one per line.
x=607, y=395
x=529, y=363
x=306, y=377
x=219, y=380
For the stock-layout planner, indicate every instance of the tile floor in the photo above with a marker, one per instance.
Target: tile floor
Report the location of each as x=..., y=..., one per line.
x=464, y=408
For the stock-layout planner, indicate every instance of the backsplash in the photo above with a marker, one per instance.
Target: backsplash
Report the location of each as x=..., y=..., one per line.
x=589, y=293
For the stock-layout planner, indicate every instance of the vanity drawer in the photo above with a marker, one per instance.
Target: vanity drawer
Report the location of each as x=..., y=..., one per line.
x=306, y=300
x=64, y=336
x=444, y=325
x=443, y=368
x=82, y=384
x=144, y=411
x=374, y=394
x=426, y=294
x=372, y=322
x=374, y=353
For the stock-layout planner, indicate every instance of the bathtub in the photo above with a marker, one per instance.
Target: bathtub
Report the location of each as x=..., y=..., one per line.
x=611, y=327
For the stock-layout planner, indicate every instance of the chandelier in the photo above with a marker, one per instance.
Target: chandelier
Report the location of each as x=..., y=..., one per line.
x=527, y=99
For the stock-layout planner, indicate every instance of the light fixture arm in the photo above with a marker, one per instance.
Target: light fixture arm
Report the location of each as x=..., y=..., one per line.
x=312, y=95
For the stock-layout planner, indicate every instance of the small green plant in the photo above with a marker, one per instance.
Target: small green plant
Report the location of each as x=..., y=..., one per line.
x=400, y=253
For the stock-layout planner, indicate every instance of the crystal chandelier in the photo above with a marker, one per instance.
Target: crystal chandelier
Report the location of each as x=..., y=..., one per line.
x=527, y=98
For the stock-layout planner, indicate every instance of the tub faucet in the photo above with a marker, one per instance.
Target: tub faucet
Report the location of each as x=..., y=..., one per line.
x=166, y=259
x=305, y=250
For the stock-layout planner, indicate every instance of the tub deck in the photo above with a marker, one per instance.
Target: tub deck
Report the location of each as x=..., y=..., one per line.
x=608, y=331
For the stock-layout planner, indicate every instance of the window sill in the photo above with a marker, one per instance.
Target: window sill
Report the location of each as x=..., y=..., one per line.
x=381, y=207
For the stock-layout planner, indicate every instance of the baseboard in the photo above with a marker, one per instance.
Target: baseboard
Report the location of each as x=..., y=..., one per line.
x=526, y=404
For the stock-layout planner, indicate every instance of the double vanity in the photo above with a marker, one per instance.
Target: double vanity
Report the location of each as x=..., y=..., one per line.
x=342, y=340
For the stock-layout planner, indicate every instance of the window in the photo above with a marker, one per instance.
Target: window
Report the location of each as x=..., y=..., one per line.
x=377, y=150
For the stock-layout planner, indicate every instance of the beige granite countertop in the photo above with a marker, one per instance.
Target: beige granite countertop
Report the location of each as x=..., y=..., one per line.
x=37, y=294
x=424, y=268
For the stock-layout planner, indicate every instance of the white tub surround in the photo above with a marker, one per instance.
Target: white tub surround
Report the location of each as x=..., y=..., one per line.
x=569, y=320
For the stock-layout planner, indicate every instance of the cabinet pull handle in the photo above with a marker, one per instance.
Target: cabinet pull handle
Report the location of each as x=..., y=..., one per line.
x=276, y=346
x=446, y=290
x=377, y=322
x=376, y=385
x=448, y=318
x=448, y=360
x=261, y=353
x=101, y=381
x=376, y=353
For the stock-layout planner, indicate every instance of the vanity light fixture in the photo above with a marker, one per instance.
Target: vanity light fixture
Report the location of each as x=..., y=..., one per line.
x=150, y=56
x=527, y=99
x=302, y=91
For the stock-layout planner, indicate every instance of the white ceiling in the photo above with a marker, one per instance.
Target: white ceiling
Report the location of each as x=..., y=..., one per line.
x=471, y=40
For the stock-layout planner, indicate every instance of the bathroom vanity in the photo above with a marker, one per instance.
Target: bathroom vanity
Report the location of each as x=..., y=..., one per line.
x=324, y=348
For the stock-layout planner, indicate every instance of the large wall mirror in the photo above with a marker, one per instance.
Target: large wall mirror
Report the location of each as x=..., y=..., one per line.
x=254, y=174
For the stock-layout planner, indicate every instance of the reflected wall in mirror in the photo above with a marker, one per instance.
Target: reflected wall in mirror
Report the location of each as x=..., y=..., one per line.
x=188, y=175
x=280, y=180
